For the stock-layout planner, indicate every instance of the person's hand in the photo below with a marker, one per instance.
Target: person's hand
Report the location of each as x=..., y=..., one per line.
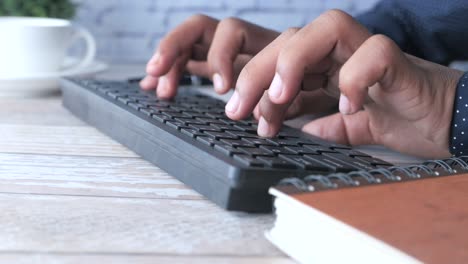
x=206, y=47
x=387, y=97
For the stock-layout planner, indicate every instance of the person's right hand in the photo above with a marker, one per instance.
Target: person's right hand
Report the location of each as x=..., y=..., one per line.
x=205, y=47
x=387, y=97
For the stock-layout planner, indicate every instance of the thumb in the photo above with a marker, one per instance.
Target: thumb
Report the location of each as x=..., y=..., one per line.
x=342, y=129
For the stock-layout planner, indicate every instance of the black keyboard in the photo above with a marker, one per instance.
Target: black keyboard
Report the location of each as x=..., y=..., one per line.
x=192, y=139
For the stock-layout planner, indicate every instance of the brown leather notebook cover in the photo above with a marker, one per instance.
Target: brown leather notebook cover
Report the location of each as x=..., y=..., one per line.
x=427, y=219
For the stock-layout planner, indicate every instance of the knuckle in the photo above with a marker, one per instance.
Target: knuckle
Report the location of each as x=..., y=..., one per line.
x=337, y=16
x=346, y=81
x=385, y=47
x=200, y=18
x=337, y=19
x=232, y=23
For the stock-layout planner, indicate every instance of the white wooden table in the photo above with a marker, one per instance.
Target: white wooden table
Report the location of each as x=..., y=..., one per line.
x=69, y=194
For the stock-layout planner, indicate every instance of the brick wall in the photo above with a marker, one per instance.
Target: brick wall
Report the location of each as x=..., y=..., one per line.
x=128, y=31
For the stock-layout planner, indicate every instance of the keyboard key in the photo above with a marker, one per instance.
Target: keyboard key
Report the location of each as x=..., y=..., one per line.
x=207, y=140
x=248, y=160
x=276, y=162
x=196, y=122
x=373, y=161
x=319, y=149
x=351, y=162
x=148, y=111
x=227, y=128
x=242, y=134
x=137, y=97
x=191, y=132
x=156, y=108
x=184, y=121
x=226, y=149
x=306, y=164
x=301, y=150
x=337, y=146
x=160, y=117
x=351, y=153
x=114, y=94
x=256, y=151
x=220, y=135
x=277, y=149
x=258, y=141
x=210, y=121
x=178, y=109
x=237, y=143
x=135, y=105
x=246, y=128
x=284, y=142
x=205, y=127
x=176, y=124
x=215, y=115
x=154, y=103
x=168, y=111
x=124, y=99
x=333, y=164
x=181, y=115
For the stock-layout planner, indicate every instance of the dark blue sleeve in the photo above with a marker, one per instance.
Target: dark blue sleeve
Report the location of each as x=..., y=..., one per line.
x=435, y=30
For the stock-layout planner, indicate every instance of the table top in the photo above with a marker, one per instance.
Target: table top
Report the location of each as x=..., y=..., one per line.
x=71, y=194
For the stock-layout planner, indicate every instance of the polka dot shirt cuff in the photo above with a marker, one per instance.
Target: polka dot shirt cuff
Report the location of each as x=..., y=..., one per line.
x=459, y=130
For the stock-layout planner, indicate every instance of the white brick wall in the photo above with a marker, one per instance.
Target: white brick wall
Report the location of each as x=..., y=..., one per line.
x=128, y=31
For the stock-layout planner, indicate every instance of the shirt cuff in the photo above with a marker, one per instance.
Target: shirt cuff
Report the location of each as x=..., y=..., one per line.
x=459, y=129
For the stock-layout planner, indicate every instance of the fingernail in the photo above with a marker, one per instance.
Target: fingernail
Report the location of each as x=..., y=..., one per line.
x=263, y=127
x=155, y=58
x=345, y=106
x=218, y=82
x=233, y=103
x=276, y=87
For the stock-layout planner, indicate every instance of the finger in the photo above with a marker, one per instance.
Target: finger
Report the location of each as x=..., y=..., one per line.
x=201, y=68
x=334, y=35
x=149, y=83
x=239, y=64
x=363, y=70
x=167, y=84
x=311, y=102
x=271, y=117
x=233, y=37
x=198, y=68
x=342, y=129
x=197, y=29
x=255, y=78
x=256, y=112
x=312, y=82
x=199, y=52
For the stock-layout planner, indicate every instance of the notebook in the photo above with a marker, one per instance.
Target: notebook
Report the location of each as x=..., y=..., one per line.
x=421, y=219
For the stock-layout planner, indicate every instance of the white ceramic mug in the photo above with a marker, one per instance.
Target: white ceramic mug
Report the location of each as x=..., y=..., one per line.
x=37, y=46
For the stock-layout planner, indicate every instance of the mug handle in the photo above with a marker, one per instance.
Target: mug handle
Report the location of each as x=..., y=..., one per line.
x=87, y=59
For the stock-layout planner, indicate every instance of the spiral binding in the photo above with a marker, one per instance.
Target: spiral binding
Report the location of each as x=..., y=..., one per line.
x=430, y=168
